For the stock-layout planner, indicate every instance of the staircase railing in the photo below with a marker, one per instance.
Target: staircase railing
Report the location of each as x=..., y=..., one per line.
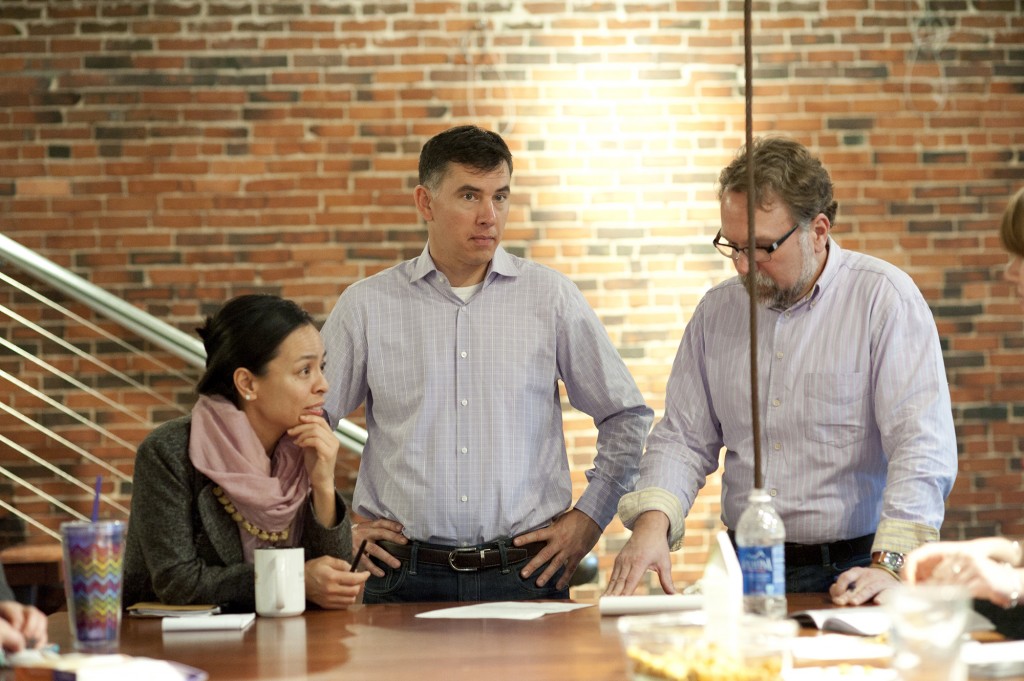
x=47, y=400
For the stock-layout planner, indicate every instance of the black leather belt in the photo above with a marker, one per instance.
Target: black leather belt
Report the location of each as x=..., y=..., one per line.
x=802, y=555
x=463, y=559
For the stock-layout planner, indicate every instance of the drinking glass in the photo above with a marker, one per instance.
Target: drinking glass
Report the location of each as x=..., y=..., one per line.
x=93, y=561
x=928, y=625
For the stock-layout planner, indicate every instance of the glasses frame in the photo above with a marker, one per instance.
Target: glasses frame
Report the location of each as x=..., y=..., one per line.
x=735, y=254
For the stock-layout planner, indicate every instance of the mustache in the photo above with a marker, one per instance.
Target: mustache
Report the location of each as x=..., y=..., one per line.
x=767, y=292
x=762, y=282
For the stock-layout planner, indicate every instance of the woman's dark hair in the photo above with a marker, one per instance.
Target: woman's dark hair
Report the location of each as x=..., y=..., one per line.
x=245, y=333
x=467, y=145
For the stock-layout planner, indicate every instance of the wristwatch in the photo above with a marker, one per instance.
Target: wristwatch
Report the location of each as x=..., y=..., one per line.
x=888, y=560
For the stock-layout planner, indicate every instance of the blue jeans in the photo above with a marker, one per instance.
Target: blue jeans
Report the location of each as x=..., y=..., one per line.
x=818, y=578
x=429, y=583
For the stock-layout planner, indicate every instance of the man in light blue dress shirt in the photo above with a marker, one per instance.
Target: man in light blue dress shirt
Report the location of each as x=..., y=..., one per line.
x=857, y=441
x=464, y=490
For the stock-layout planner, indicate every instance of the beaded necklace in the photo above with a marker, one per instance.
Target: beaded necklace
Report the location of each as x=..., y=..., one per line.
x=272, y=537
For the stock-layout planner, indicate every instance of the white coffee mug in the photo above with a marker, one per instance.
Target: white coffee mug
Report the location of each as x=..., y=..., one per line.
x=280, y=582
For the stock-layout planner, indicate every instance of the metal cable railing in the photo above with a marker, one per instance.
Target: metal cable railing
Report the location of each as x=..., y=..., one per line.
x=95, y=328
x=150, y=328
x=29, y=519
x=70, y=445
x=74, y=415
x=71, y=380
x=53, y=410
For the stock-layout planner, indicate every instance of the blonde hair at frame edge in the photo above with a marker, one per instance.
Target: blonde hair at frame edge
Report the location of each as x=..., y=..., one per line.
x=1011, y=230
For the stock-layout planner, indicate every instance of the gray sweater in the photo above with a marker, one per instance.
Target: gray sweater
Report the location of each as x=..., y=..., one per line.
x=182, y=547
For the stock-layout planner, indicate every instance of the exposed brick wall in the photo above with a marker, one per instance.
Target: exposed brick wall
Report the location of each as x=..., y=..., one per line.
x=178, y=153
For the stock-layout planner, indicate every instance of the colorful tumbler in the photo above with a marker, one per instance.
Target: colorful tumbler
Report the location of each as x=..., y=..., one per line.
x=93, y=562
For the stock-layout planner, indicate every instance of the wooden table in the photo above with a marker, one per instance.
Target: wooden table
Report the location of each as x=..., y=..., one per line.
x=384, y=642
x=32, y=564
x=34, y=572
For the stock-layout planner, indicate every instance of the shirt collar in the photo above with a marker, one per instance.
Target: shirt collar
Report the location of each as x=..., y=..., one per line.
x=833, y=255
x=422, y=265
x=501, y=264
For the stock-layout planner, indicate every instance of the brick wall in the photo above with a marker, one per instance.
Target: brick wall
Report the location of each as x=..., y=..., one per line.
x=179, y=153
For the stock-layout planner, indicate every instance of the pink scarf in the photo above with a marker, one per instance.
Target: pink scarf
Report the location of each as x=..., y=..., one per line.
x=271, y=492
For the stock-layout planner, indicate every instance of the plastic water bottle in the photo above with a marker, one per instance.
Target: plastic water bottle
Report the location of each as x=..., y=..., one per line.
x=760, y=543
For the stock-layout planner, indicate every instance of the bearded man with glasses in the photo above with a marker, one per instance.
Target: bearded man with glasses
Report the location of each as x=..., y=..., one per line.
x=857, y=440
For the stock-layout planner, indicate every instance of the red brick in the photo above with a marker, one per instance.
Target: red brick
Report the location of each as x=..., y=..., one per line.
x=321, y=156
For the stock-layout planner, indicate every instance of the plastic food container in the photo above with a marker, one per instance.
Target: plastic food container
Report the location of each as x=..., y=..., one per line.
x=671, y=647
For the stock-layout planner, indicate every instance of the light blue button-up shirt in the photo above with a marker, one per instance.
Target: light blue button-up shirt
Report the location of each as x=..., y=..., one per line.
x=857, y=427
x=463, y=411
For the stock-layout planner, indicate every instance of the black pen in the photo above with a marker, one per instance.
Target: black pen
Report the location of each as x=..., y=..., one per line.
x=359, y=554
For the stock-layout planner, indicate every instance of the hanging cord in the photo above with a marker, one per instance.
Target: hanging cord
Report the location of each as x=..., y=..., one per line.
x=755, y=411
x=478, y=63
x=931, y=33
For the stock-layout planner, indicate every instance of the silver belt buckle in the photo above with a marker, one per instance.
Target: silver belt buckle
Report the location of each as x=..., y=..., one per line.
x=451, y=559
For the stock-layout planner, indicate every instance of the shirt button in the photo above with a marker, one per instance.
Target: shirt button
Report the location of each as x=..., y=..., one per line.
x=776, y=403
x=778, y=446
x=464, y=498
x=464, y=354
x=465, y=402
x=465, y=449
x=773, y=492
x=778, y=355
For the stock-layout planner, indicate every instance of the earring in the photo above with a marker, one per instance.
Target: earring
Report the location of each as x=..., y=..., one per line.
x=249, y=396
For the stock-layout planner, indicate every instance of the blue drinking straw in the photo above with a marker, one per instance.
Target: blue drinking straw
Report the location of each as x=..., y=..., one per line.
x=96, y=499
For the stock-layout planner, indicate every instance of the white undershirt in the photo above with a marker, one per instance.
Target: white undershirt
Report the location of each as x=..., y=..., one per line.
x=467, y=292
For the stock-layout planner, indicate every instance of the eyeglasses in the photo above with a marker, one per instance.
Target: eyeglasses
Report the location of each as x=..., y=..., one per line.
x=761, y=253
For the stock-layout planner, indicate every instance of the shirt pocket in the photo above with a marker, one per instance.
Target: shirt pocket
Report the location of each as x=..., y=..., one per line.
x=836, y=408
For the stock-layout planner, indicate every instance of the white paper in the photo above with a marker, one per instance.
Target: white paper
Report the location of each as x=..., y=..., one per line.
x=984, y=653
x=84, y=667
x=505, y=610
x=640, y=605
x=994, y=660
x=840, y=673
x=838, y=647
x=210, y=623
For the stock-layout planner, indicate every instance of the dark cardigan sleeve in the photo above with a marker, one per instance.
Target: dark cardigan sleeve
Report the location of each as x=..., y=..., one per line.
x=327, y=541
x=165, y=532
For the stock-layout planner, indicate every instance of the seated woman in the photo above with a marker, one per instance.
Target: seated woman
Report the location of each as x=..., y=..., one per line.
x=21, y=626
x=251, y=467
x=991, y=568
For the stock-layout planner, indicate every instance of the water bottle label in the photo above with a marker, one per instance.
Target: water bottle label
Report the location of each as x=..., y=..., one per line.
x=764, y=570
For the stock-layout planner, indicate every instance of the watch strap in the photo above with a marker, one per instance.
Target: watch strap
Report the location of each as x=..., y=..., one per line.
x=890, y=561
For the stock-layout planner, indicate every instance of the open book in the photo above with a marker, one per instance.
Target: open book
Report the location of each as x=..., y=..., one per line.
x=152, y=609
x=867, y=620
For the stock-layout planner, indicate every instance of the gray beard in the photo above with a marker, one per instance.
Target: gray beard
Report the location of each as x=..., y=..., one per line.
x=771, y=295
